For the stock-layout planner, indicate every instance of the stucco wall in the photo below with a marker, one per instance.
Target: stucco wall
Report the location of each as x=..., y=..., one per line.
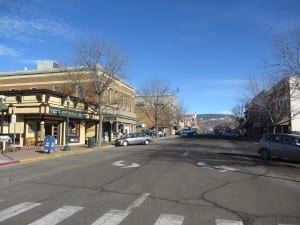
x=295, y=104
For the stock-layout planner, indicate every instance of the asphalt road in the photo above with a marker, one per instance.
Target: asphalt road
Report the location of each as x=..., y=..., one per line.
x=189, y=181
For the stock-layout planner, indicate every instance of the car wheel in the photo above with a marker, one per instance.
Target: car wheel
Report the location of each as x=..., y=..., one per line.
x=125, y=143
x=265, y=154
x=146, y=142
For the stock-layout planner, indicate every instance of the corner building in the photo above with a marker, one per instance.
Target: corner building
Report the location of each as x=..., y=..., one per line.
x=38, y=99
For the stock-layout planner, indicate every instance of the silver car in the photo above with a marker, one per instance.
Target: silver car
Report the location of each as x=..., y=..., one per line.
x=133, y=139
x=280, y=145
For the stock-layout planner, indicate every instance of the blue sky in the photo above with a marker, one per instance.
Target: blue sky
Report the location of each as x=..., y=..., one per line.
x=206, y=48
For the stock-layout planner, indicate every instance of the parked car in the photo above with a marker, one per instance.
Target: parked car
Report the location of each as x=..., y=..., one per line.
x=187, y=132
x=132, y=139
x=230, y=134
x=178, y=132
x=153, y=133
x=280, y=145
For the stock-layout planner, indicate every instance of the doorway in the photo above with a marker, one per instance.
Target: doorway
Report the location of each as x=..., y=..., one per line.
x=52, y=129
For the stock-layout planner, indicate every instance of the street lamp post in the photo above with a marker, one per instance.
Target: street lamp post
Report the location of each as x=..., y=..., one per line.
x=111, y=123
x=67, y=147
x=2, y=98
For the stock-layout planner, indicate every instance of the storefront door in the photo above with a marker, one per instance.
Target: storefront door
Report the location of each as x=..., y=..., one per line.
x=53, y=130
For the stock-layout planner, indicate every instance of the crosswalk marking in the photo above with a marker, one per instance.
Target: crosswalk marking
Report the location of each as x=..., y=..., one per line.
x=112, y=217
x=228, y=222
x=57, y=216
x=16, y=210
x=138, y=202
x=167, y=219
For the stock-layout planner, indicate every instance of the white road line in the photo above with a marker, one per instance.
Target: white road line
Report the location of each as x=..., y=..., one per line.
x=112, y=217
x=228, y=222
x=201, y=164
x=133, y=165
x=226, y=169
x=185, y=154
x=16, y=210
x=57, y=216
x=138, y=202
x=221, y=169
x=1, y=200
x=167, y=219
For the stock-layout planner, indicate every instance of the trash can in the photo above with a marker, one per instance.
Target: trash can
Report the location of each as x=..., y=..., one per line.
x=49, y=144
x=91, y=142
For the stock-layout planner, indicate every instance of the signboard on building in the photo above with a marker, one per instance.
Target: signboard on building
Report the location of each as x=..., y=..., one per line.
x=63, y=112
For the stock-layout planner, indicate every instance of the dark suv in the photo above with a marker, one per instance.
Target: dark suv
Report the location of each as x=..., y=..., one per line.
x=280, y=145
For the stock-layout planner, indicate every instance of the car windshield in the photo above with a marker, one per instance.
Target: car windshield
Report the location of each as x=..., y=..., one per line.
x=129, y=135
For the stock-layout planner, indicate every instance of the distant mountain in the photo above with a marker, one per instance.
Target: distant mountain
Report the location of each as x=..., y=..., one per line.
x=213, y=116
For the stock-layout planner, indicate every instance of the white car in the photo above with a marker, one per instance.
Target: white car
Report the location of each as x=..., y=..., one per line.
x=135, y=138
x=280, y=145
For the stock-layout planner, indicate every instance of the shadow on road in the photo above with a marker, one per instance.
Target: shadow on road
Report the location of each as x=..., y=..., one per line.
x=216, y=153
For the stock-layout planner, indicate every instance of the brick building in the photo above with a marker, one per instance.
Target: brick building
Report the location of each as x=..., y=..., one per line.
x=275, y=110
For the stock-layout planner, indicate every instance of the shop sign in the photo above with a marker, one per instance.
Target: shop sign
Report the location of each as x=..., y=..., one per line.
x=63, y=112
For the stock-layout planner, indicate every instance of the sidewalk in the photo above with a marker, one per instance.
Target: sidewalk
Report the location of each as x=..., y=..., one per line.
x=25, y=156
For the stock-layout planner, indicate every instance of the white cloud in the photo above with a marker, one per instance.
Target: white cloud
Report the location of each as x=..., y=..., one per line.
x=212, y=83
x=28, y=29
x=191, y=37
x=6, y=51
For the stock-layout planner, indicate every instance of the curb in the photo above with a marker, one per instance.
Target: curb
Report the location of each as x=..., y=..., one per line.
x=62, y=154
x=55, y=155
x=9, y=162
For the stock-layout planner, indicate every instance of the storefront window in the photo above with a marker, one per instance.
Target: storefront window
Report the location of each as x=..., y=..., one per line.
x=31, y=128
x=74, y=131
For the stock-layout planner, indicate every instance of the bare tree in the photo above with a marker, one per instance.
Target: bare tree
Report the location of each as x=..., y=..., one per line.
x=160, y=101
x=286, y=56
x=96, y=65
x=269, y=105
x=270, y=96
x=238, y=112
x=180, y=112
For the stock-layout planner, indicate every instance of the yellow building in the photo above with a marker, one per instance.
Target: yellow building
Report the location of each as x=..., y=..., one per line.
x=38, y=99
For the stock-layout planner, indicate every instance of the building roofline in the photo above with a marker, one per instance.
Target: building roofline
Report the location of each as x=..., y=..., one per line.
x=40, y=91
x=59, y=70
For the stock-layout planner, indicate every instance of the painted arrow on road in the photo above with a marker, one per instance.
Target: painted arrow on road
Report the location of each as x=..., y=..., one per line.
x=119, y=163
x=123, y=165
x=222, y=169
